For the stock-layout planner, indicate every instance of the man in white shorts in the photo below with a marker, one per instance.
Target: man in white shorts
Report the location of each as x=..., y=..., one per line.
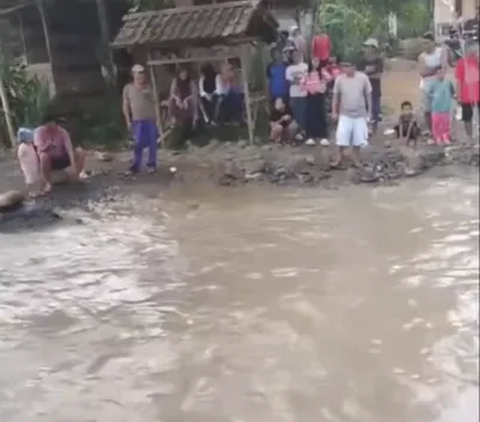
x=352, y=104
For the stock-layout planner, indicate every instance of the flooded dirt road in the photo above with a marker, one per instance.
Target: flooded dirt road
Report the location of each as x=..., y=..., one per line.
x=357, y=305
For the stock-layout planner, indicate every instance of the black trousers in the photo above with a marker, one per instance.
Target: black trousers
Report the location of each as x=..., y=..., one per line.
x=317, y=116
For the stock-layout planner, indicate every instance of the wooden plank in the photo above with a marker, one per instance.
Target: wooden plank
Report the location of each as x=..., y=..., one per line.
x=191, y=60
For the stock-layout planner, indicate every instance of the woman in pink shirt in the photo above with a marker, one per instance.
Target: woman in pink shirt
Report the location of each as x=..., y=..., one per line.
x=55, y=151
x=315, y=83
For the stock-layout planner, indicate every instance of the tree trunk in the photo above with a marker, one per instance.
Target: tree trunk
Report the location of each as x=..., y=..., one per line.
x=6, y=106
x=105, y=31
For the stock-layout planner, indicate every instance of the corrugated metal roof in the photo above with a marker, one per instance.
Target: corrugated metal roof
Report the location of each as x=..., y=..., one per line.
x=194, y=24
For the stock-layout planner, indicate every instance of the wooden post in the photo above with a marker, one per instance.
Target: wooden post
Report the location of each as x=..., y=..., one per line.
x=5, y=104
x=244, y=70
x=46, y=34
x=156, y=97
x=22, y=36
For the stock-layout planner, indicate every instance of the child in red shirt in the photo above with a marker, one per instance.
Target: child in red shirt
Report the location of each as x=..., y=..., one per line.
x=468, y=89
x=333, y=67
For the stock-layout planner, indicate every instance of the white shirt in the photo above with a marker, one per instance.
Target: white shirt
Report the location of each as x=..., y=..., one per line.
x=295, y=74
x=220, y=87
x=29, y=163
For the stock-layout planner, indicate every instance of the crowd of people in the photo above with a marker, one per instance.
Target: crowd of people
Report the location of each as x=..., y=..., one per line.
x=300, y=92
x=440, y=93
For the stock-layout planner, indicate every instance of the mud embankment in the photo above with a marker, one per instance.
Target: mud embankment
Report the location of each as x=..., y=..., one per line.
x=239, y=163
x=227, y=164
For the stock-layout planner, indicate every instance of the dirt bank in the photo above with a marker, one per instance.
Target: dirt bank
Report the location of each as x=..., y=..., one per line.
x=226, y=164
x=386, y=161
x=239, y=163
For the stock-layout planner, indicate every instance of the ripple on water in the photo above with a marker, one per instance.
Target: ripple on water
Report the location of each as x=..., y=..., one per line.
x=83, y=269
x=310, y=309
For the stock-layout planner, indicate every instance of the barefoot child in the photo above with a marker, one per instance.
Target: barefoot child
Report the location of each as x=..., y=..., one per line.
x=441, y=93
x=407, y=126
x=28, y=158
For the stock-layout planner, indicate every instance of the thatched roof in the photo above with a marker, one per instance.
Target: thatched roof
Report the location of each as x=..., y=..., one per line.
x=198, y=25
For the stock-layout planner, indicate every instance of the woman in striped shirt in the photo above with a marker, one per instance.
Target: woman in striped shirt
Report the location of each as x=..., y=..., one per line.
x=315, y=83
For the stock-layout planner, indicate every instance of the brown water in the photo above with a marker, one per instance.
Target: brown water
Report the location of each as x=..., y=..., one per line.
x=259, y=306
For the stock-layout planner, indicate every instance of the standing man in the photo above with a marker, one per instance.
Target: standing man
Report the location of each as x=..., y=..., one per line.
x=298, y=42
x=352, y=105
x=430, y=60
x=277, y=79
x=372, y=65
x=139, y=113
x=468, y=88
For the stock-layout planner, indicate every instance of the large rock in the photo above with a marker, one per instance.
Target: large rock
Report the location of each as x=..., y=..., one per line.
x=11, y=200
x=411, y=48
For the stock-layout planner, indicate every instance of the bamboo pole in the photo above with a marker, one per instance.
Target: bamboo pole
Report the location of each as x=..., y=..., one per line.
x=156, y=97
x=22, y=36
x=46, y=33
x=5, y=105
x=244, y=70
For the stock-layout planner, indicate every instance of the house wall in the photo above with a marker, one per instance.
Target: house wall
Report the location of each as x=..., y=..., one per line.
x=445, y=9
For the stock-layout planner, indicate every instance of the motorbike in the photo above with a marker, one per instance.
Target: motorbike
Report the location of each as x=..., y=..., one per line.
x=454, y=47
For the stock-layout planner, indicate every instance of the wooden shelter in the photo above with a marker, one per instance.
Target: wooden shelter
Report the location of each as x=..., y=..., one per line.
x=193, y=34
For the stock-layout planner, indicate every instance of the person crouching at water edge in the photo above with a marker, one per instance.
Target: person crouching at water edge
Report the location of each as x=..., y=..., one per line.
x=352, y=104
x=56, y=152
x=282, y=126
x=28, y=158
x=139, y=113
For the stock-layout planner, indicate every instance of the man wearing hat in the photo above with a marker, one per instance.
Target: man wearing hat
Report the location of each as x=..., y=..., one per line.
x=372, y=65
x=139, y=111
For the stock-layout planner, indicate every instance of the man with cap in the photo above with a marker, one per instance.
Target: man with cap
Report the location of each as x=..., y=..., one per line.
x=139, y=111
x=371, y=64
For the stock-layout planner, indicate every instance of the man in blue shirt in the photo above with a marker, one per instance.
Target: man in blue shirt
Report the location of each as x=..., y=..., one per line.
x=277, y=81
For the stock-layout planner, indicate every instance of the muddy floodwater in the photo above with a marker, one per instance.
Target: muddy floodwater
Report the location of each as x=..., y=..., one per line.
x=247, y=305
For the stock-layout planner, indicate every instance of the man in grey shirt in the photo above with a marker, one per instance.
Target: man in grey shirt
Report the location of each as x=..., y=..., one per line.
x=352, y=100
x=139, y=112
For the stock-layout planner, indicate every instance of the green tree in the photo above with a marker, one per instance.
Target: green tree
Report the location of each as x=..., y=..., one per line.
x=350, y=22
